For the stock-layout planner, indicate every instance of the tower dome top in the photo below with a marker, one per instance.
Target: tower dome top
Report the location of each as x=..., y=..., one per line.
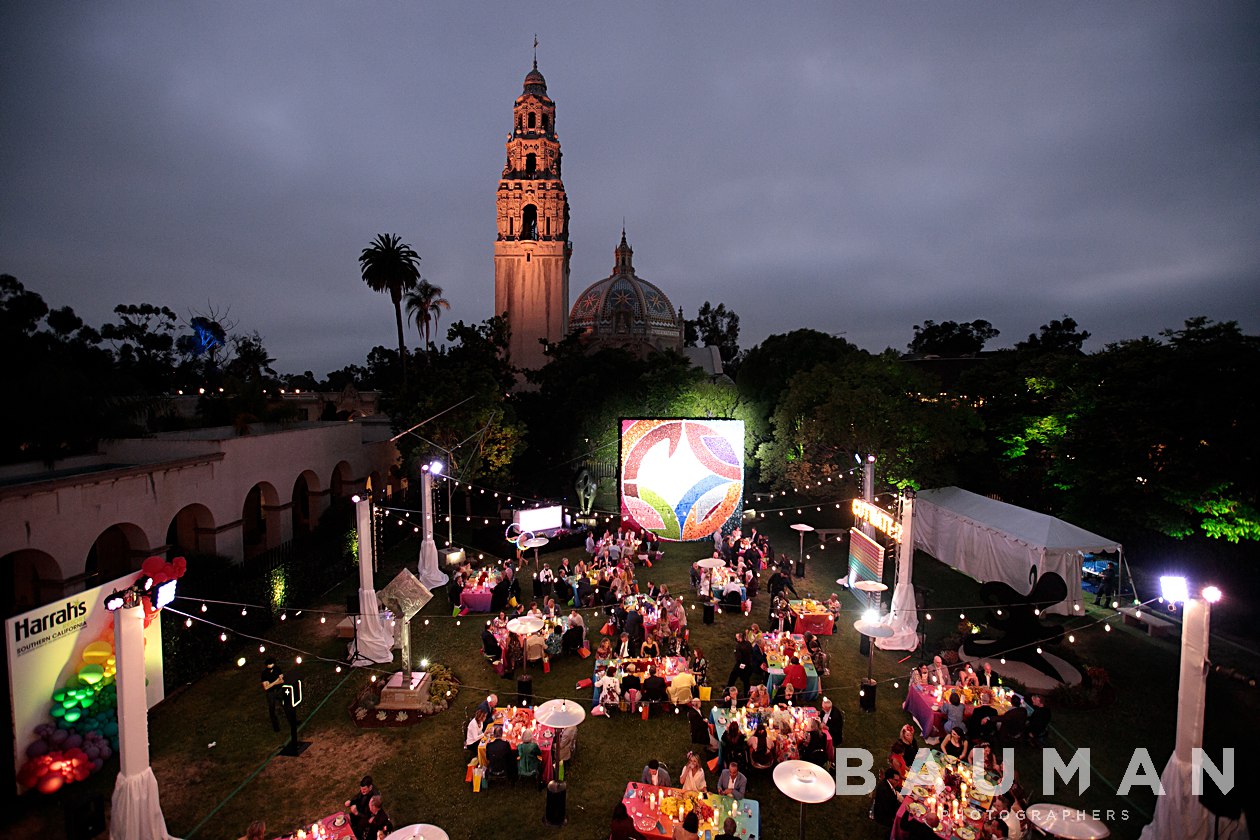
x=534, y=81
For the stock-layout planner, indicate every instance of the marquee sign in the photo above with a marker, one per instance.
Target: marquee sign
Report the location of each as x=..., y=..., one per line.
x=880, y=519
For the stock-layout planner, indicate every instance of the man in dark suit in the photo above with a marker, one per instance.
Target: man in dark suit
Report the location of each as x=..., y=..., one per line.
x=833, y=720
x=634, y=627
x=887, y=798
x=742, y=671
x=630, y=680
x=655, y=774
x=500, y=755
x=654, y=687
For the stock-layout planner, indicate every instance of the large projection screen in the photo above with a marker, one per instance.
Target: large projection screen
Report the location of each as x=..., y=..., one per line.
x=682, y=479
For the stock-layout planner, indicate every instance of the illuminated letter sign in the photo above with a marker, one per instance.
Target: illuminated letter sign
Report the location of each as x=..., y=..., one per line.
x=879, y=518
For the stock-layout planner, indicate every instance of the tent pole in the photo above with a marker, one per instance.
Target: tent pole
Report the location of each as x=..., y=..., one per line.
x=1124, y=566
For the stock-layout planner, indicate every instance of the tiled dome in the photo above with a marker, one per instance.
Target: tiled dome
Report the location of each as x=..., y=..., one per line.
x=625, y=305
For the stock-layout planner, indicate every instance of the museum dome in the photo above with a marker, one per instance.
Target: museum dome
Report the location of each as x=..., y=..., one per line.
x=623, y=306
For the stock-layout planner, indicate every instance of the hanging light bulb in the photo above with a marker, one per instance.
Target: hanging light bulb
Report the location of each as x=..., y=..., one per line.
x=203, y=607
x=223, y=637
x=298, y=660
x=262, y=648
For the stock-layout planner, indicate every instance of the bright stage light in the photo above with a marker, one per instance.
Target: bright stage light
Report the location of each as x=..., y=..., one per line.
x=1174, y=589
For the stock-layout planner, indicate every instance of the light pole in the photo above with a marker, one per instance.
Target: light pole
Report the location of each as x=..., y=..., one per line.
x=430, y=575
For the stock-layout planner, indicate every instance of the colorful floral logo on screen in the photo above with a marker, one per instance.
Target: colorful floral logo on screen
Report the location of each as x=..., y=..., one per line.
x=682, y=479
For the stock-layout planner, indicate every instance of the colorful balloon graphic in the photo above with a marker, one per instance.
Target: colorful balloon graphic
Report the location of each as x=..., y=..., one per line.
x=682, y=479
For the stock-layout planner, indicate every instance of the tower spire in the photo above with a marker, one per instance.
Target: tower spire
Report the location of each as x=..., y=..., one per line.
x=535, y=50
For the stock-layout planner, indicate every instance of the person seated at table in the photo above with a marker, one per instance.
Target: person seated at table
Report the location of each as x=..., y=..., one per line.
x=357, y=805
x=630, y=680
x=379, y=825
x=555, y=642
x=535, y=647
x=1008, y=815
x=1038, y=720
x=919, y=676
x=910, y=827
x=692, y=776
x=897, y=758
x=605, y=649
x=732, y=783
x=729, y=830
x=650, y=649
x=654, y=687
x=529, y=758
x=954, y=743
x=624, y=649
x=967, y=677
x=499, y=754
x=887, y=798
x=794, y=674
x=814, y=749
x=939, y=672
x=734, y=744
x=585, y=592
x=490, y=645
x=786, y=694
x=622, y=825
x=782, y=619
x=681, y=688
x=655, y=774
x=688, y=829
x=489, y=705
x=476, y=728
x=833, y=721
x=820, y=657
x=609, y=688
x=564, y=592
x=988, y=678
x=954, y=713
x=984, y=721
x=534, y=609
x=500, y=621
x=653, y=591
x=909, y=744
x=834, y=606
x=760, y=748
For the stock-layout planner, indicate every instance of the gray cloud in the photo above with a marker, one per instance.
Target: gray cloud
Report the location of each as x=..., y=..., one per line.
x=855, y=168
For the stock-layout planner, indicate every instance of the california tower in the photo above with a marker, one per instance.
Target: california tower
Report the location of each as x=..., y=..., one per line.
x=532, y=250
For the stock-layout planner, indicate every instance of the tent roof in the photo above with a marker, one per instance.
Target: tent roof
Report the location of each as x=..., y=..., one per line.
x=1027, y=526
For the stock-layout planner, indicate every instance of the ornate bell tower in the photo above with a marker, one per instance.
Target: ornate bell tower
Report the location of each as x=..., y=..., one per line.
x=531, y=253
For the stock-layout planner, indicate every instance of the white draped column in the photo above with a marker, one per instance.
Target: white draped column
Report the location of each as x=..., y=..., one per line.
x=1179, y=814
x=136, y=813
x=904, y=617
x=430, y=575
x=374, y=641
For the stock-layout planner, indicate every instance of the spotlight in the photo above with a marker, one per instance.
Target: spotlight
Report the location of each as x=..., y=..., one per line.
x=1212, y=594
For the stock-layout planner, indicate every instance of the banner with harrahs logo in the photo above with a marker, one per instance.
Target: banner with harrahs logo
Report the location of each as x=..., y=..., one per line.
x=58, y=646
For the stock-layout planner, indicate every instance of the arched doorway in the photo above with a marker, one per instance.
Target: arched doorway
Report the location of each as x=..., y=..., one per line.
x=341, y=484
x=259, y=531
x=34, y=580
x=191, y=531
x=119, y=550
x=305, y=503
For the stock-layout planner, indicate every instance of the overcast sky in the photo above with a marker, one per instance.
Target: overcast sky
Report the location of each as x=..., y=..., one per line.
x=851, y=167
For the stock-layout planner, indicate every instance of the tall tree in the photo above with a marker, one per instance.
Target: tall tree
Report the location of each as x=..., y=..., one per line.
x=714, y=326
x=950, y=338
x=390, y=265
x=424, y=308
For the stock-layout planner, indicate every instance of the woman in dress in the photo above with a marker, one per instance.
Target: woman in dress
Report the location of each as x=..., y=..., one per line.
x=605, y=650
x=698, y=665
x=650, y=649
x=609, y=689
x=692, y=777
x=760, y=748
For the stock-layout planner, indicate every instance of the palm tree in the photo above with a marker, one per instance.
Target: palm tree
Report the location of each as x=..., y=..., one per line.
x=389, y=265
x=424, y=307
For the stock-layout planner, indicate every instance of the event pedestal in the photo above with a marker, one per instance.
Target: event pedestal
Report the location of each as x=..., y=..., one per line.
x=525, y=690
x=708, y=613
x=866, y=696
x=557, y=795
x=405, y=696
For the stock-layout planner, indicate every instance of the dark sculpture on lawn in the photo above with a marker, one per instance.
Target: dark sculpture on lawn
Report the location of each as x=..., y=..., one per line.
x=1023, y=631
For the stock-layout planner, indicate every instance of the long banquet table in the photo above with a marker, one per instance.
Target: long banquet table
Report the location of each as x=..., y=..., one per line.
x=748, y=717
x=962, y=812
x=516, y=722
x=925, y=707
x=773, y=645
x=667, y=667
x=812, y=617
x=655, y=810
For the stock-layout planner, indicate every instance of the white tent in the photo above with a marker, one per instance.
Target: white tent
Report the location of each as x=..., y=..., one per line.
x=992, y=540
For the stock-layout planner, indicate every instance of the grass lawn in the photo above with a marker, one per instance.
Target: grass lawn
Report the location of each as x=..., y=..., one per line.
x=212, y=793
